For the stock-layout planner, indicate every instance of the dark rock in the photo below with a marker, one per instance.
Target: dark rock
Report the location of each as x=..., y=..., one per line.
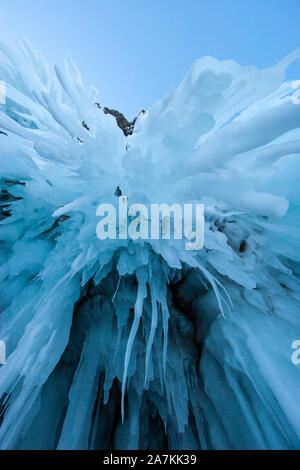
x=118, y=192
x=84, y=124
x=126, y=126
x=243, y=246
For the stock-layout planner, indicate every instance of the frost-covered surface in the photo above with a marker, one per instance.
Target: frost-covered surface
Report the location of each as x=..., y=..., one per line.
x=121, y=345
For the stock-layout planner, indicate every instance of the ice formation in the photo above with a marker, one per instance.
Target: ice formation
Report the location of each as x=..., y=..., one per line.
x=122, y=344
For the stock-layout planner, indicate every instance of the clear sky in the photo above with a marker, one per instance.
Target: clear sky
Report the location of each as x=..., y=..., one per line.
x=134, y=51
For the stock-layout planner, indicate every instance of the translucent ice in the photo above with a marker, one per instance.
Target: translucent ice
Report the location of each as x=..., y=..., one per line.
x=122, y=344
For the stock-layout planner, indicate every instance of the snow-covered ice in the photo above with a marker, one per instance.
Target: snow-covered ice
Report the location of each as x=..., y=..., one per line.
x=122, y=344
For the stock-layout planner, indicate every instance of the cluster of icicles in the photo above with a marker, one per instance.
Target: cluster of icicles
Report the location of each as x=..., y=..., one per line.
x=123, y=344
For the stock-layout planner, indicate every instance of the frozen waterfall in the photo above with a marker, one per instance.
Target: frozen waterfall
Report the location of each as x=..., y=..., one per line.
x=141, y=344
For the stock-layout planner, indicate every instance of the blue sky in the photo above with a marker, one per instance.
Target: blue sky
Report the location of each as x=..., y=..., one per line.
x=134, y=51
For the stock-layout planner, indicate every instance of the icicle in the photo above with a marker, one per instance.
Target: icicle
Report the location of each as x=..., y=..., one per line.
x=154, y=318
x=138, y=310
